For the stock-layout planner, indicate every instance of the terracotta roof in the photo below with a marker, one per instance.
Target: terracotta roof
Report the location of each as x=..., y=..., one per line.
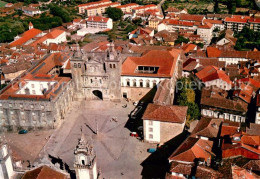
x=44, y=172
x=213, y=21
x=182, y=168
x=26, y=36
x=238, y=172
x=210, y=73
x=37, y=73
x=211, y=97
x=253, y=165
x=145, y=6
x=51, y=35
x=166, y=60
x=254, y=20
x=127, y=5
x=97, y=19
x=251, y=140
x=175, y=114
x=213, y=52
x=191, y=149
x=237, y=19
x=205, y=26
x=189, y=17
x=103, y=5
x=207, y=128
x=207, y=172
x=177, y=22
x=188, y=47
x=93, y=3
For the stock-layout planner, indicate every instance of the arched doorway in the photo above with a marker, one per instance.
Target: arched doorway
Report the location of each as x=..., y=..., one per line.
x=97, y=94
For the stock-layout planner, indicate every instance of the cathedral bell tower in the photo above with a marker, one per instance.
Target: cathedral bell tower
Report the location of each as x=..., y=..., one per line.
x=85, y=160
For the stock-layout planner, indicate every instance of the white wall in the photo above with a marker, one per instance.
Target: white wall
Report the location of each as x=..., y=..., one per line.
x=35, y=87
x=155, y=126
x=219, y=83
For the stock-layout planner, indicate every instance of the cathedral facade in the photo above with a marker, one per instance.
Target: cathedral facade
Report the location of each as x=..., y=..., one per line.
x=96, y=75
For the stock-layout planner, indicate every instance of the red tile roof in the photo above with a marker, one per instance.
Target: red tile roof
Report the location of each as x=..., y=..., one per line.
x=93, y=3
x=254, y=20
x=104, y=5
x=189, y=47
x=144, y=7
x=166, y=60
x=97, y=19
x=127, y=5
x=210, y=73
x=26, y=36
x=213, y=21
x=213, y=52
x=174, y=114
x=188, y=17
x=237, y=19
x=191, y=149
x=177, y=22
x=44, y=172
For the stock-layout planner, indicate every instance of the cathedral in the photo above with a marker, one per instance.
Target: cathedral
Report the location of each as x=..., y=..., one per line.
x=96, y=75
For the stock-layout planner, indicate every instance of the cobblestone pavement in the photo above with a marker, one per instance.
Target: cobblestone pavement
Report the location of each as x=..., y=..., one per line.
x=118, y=154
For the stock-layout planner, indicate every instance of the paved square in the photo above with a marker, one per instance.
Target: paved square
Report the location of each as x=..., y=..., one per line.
x=118, y=154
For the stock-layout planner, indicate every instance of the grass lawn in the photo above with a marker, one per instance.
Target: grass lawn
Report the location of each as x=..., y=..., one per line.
x=2, y=3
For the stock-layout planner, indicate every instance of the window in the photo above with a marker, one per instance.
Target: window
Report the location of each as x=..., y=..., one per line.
x=128, y=83
x=150, y=136
x=32, y=85
x=33, y=92
x=91, y=81
x=114, y=65
x=75, y=65
x=141, y=84
x=134, y=83
x=100, y=81
x=150, y=122
x=83, y=162
x=79, y=65
x=10, y=105
x=154, y=84
x=150, y=129
x=110, y=65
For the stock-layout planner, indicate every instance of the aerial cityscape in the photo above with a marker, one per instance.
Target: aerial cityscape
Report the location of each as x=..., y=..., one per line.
x=129, y=89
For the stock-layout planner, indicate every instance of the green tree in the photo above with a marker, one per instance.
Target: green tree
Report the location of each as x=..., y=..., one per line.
x=181, y=39
x=114, y=13
x=60, y=12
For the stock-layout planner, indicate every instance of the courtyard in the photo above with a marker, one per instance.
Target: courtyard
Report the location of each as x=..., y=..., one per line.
x=118, y=154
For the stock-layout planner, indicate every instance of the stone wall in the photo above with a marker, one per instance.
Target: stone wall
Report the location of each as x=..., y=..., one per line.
x=170, y=130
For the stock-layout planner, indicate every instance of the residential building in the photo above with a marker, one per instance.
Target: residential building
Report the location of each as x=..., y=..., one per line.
x=238, y=172
x=257, y=116
x=172, y=25
x=191, y=154
x=26, y=38
x=217, y=24
x=154, y=22
x=100, y=9
x=142, y=9
x=206, y=32
x=99, y=22
x=31, y=11
x=213, y=76
x=236, y=22
x=162, y=123
x=191, y=18
x=82, y=7
x=214, y=103
x=254, y=24
x=40, y=97
x=237, y=143
x=55, y=36
x=128, y=8
x=140, y=74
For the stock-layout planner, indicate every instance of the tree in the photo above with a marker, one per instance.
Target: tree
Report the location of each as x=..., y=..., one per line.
x=181, y=39
x=60, y=12
x=216, y=7
x=114, y=13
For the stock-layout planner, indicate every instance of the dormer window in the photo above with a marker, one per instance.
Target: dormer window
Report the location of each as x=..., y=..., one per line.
x=147, y=69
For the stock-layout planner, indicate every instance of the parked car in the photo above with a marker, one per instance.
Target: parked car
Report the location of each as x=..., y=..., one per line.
x=151, y=150
x=134, y=134
x=23, y=131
